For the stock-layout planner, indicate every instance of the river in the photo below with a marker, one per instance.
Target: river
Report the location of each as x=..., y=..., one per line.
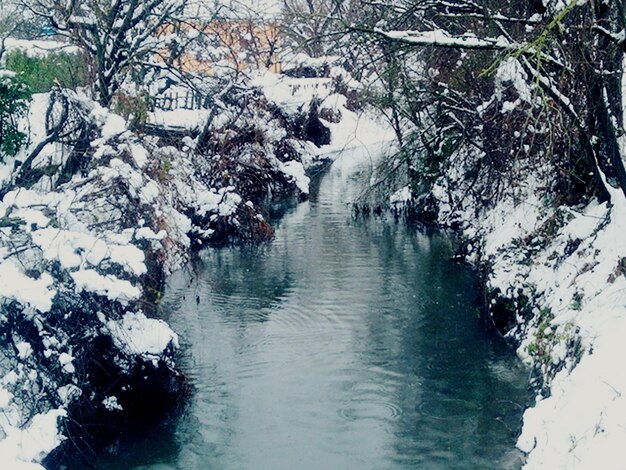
x=346, y=343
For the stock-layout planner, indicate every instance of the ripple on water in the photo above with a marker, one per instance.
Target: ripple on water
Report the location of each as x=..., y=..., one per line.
x=366, y=409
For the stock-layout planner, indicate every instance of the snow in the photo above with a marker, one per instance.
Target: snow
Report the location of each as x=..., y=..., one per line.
x=581, y=425
x=229, y=202
x=112, y=124
x=31, y=217
x=138, y=334
x=25, y=448
x=442, y=38
x=5, y=398
x=68, y=247
x=111, y=404
x=66, y=360
x=149, y=192
x=68, y=393
x=511, y=71
x=34, y=48
x=130, y=257
x=295, y=170
x=74, y=249
x=36, y=293
x=583, y=225
x=401, y=196
x=139, y=155
x=146, y=233
x=106, y=285
x=24, y=349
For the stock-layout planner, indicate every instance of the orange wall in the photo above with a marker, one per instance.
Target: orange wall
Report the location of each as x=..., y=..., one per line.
x=260, y=42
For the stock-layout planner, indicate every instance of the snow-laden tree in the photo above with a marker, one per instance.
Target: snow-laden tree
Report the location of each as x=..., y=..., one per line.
x=539, y=78
x=119, y=35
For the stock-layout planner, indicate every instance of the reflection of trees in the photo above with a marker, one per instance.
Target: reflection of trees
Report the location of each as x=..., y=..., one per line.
x=248, y=278
x=426, y=326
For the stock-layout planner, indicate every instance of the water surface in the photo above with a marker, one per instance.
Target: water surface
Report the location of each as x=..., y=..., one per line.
x=343, y=344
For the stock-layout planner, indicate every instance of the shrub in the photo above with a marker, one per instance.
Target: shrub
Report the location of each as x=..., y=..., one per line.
x=41, y=73
x=14, y=97
x=134, y=109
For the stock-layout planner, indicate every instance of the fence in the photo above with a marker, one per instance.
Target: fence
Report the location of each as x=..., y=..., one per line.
x=192, y=100
x=301, y=86
x=189, y=100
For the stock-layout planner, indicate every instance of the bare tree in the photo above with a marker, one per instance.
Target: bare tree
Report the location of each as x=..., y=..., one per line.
x=118, y=35
x=310, y=23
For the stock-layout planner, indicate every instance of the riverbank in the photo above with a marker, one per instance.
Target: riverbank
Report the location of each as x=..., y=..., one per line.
x=555, y=282
x=88, y=242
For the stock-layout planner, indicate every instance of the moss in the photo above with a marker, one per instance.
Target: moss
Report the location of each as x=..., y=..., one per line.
x=10, y=222
x=541, y=348
x=577, y=300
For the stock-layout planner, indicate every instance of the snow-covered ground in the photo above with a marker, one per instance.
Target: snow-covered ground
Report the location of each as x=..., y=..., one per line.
x=579, y=279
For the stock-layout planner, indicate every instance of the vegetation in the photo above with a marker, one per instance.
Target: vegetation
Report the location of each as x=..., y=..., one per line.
x=14, y=96
x=41, y=74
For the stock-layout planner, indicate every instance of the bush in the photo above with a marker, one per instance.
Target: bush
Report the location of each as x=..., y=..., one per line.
x=41, y=73
x=14, y=97
x=134, y=109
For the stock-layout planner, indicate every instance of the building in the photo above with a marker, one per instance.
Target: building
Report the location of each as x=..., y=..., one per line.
x=240, y=45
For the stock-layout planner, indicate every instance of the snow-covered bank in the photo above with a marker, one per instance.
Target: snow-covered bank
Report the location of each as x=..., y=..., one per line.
x=581, y=285
x=556, y=280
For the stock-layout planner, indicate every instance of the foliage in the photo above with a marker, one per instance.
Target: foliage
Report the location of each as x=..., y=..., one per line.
x=14, y=96
x=40, y=74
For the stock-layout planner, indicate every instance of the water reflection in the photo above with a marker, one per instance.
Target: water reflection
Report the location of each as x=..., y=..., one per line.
x=344, y=344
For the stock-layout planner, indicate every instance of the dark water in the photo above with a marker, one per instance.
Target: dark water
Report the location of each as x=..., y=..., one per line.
x=344, y=344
